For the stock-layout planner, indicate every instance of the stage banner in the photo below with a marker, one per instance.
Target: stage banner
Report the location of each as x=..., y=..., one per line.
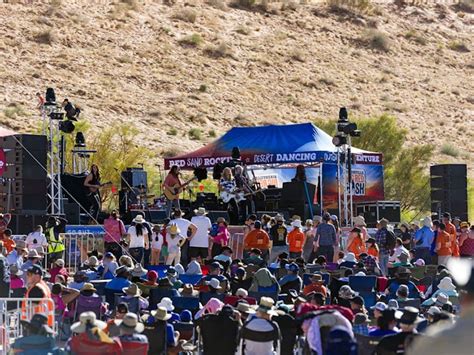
x=3, y=162
x=367, y=184
x=278, y=176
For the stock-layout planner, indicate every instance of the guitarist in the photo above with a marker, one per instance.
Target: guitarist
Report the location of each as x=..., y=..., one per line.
x=92, y=182
x=171, y=181
x=247, y=206
x=227, y=184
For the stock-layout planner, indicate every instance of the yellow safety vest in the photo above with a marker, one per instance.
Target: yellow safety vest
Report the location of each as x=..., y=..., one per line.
x=55, y=245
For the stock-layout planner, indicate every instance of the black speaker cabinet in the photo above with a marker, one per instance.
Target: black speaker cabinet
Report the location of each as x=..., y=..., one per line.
x=135, y=177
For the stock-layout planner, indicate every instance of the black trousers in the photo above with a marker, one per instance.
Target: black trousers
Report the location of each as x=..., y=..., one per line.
x=94, y=200
x=233, y=210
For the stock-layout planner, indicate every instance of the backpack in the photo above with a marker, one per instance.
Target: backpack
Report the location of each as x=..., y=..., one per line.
x=249, y=334
x=390, y=240
x=340, y=342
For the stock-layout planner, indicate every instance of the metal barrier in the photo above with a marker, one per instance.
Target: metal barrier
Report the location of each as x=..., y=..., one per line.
x=11, y=315
x=77, y=245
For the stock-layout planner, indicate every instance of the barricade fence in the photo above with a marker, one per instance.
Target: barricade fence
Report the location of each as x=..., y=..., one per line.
x=78, y=245
x=12, y=311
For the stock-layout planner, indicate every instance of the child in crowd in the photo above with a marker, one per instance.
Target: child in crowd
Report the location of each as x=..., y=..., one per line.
x=296, y=239
x=110, y=265
x=15, y=277
x=175, y=240
x=156, y=245
x=222, y=237
x=372, y=248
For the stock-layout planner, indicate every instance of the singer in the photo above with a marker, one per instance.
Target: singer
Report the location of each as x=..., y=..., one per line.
x=172, y=186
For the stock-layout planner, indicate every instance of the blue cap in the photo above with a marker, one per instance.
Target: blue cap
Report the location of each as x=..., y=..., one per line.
x=216, y=265
x=292, y=267
x=186, y=316
x=108, y=255
x=257, y=224
x=35, y=270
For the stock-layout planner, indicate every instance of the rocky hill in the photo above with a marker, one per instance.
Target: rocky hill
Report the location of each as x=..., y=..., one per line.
x=185, y=71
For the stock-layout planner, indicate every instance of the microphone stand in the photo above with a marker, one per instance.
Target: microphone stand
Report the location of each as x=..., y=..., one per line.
x=130, y=189
x=160, y=192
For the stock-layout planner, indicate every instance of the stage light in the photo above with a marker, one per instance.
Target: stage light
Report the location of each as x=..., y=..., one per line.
x=56, y=115
x=339, y=140
x=50, y=97
x=80, y=140
x=66, y=126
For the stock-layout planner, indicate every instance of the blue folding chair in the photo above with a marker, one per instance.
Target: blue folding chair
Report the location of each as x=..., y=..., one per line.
x=190, y=279
x=370, y=298
x=363, y=283
x=157, y=294
x=189, y=303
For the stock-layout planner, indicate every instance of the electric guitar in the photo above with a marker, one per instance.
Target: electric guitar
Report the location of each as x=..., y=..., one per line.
x=172, y=193
x=93, y=190
x=237, y=195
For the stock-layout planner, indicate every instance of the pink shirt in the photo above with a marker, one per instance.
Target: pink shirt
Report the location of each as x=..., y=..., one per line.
x=171, y=180
x=114, y=229
x=222, y=236
x=16, y=282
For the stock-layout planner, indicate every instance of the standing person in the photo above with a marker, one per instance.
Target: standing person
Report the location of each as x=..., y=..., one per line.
x=309, y=239
x=92, y=182
x=355, y=243
x=221, y=240
x=37, y=288
x=16, y=256
x=41, y=101
x=199, y=242
x=466, y=240
x=139, y=240
x=4, y=275
x=36, y=239
x=278, y=234
x=296, y=239
x=326, y=238
x=156, y=245
x=335, y=222
x=257, y=238
x=451, y=230
x=54, y=227
x=260, y=335
x=172, y=183
x=406, y=236
x=227, y=184
x=315, y=247
x=381, y=240
x=4, y=222
x=174, y=240
x=188, y=230
x=246, y=206
x=114, y=231
x=443, y=245
x=423, y=240
x=359, y=222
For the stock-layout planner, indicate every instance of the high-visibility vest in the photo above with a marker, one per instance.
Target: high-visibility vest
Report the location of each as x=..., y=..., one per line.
x=55, y=244
x=45, y=306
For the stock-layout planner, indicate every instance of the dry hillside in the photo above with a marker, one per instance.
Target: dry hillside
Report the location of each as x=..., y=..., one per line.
x=209, y=65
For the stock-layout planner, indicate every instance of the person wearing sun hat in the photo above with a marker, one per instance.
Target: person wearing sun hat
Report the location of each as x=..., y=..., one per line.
x=278, y=234
x=261, y=335
x=58, y=269
x=199, y=242
x=138, y=238
x=130, y=329
x=400, y=343
x=445, y=287
x=37, y=335
x=132, y=292
x=316, y=285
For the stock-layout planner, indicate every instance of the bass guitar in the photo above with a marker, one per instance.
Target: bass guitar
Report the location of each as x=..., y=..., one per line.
x=172, y=193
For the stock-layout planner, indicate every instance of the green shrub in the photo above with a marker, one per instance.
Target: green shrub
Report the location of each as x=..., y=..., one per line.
x=172, y=132
x=195, y=134
x=212, y=133
x=194, y=40
x=449, y=149
x=203, y=88
x=376, y=40
x=414, y=36
x=186, y=15
x=458, y=46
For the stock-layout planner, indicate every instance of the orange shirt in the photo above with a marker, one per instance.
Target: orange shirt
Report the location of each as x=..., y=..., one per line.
x=257, y=238
x=316, y=287
x=357, y=246
x=451, y=230
x=373, y=251
x=443, y=242
x=296, y=241
x=9, y=245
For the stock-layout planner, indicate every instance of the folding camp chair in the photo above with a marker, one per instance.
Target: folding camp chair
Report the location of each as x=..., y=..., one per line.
x=366, y=344
x=258, y=295
x=363, y=283
x=189, y=303
x=157, y=294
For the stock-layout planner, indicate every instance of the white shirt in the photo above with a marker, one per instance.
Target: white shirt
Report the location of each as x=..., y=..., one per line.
x=156, y=240
x=201, y=238
x=38, y=237
x=260, y=348
x=135, y=240
x=183, y=225
x=173, y=243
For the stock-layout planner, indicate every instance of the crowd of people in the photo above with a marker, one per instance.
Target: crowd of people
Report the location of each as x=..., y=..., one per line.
x=299, y=286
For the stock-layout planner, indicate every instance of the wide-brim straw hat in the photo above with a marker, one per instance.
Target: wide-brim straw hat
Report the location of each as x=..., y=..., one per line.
x=359, y=221
x=84, y=319
x=88, y=287
x=161, y=314
x=296, y=223
x=139, y=219
x=201, y=211
x=132, y=290
x=267, y=305
x=34, y=254
x=130, y=322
